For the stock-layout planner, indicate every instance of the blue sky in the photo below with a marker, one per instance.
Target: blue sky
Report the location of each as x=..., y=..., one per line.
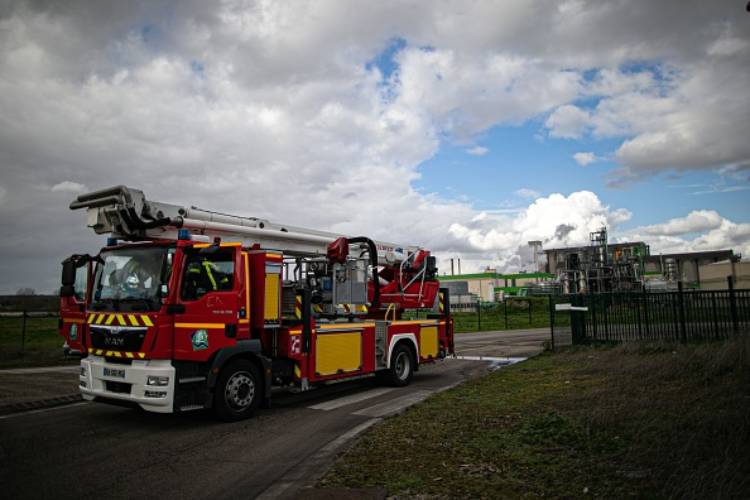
x=527, y=157
x=524, y=157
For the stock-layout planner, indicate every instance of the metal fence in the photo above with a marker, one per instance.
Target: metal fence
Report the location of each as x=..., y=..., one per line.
x=679, y=315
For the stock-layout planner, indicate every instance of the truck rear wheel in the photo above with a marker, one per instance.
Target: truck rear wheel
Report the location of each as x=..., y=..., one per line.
x=238, y=391
x=402, y=366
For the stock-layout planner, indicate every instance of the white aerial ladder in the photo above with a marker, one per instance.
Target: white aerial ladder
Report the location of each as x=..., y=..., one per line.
x=126, y=214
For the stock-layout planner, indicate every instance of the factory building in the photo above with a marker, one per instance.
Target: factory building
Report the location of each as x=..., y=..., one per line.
x=689, y=267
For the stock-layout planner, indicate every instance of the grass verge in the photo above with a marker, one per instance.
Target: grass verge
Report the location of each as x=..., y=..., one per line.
x=635, y=420
x=42, y=345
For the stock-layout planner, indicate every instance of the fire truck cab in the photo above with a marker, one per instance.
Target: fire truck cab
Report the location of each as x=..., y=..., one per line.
x=190, y=309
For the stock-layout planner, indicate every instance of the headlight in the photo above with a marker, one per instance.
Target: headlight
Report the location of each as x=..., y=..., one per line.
x=157, y=380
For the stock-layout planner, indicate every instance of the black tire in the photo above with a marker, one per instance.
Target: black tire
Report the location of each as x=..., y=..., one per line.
x=402, y=367
x=238, y=391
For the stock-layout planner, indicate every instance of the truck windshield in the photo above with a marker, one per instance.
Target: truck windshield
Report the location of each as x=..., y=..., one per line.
x=132, y=274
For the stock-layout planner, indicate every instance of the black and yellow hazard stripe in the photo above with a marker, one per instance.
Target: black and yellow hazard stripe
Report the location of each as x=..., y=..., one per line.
x=119, y=319
x=441, y=302
x=298, y=306
x=116, y=354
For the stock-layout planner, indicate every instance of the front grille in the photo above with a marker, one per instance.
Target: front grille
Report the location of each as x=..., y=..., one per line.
x=120, y=361
x=119, y=387
x=115, y=338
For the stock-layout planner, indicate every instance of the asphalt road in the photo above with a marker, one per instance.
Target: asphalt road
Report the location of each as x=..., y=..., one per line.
x=98, y=451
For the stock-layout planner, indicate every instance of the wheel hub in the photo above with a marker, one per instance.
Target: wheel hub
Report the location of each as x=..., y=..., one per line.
x=240, y=390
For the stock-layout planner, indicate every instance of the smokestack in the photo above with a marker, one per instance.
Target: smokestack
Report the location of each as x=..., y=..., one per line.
x=452, y=271
x=459, y=265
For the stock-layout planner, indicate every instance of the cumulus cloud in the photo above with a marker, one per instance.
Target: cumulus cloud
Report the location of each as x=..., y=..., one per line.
x=695, y=221
x=568, y=122
x=556, y=220
x=277, y=110
x=679, y=237
x=584, y=158
x=478, y=151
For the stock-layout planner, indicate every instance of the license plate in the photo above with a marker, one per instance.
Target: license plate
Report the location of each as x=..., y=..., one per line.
x=114, y=372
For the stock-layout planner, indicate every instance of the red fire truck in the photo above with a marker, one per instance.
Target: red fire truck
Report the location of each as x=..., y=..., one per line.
x=187, y=308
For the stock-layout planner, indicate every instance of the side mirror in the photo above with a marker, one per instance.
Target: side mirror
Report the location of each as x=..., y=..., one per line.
x=68, y=273
x=68, y=278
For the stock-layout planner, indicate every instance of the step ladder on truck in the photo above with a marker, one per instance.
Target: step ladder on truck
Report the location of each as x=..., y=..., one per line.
x=187, y=308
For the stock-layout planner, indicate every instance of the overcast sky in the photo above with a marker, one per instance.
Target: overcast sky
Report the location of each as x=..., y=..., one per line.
x=469, y=128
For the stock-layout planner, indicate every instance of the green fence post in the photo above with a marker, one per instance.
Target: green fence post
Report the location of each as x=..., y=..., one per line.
x=592, y=299
x=529, y=301
x=552, y=323
x=479, y=315
x=23, y=331
x=733, y=305
x=714, y=314
x=505, y=312
x=681, y=304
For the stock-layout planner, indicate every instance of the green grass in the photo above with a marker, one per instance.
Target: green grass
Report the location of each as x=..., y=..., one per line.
x=647, y=421
x=43, y=345
x=493, y=317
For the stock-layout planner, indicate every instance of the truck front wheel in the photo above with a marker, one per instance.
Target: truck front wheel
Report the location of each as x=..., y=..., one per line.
x=238, y=391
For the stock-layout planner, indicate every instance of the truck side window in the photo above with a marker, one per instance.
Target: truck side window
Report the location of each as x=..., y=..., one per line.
x=207, y=273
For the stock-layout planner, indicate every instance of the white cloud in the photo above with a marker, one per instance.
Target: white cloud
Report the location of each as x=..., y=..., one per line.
x=584, y=158
x=674, y=235
x=478, y=151
x=68, y=187
x=568, y=122
x=557, y=220
x=281, y=100
x=695, y=221
x=527, y=193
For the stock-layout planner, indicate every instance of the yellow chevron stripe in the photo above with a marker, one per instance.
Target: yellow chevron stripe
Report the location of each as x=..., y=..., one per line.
x=91, y=318
x=99, y=319
x=129, y=355
x=121, y=320
x=297, y=371
x=141, y=355
x=133, y=319
x=146, y=320
x=99, y=352
x=110, y=319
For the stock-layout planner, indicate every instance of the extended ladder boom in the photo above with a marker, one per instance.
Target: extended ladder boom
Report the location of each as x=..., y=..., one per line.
x=126, y=214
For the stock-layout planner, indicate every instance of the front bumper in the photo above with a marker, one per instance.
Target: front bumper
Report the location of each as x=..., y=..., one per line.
x=94, y=384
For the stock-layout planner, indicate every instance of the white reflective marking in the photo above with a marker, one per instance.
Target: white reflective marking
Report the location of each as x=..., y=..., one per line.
x=394, y=405
x=493, y=359
x=348, y=400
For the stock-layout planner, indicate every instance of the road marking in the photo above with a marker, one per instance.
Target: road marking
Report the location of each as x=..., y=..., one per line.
x=394, y=405
x=348, y=400
x=43, y=410
x=493, y=359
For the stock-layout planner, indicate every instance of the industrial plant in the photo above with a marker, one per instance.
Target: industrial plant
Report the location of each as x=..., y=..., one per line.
x=601, y=266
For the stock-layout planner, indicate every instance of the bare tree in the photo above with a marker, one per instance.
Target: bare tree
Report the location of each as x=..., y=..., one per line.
x=26, y=291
